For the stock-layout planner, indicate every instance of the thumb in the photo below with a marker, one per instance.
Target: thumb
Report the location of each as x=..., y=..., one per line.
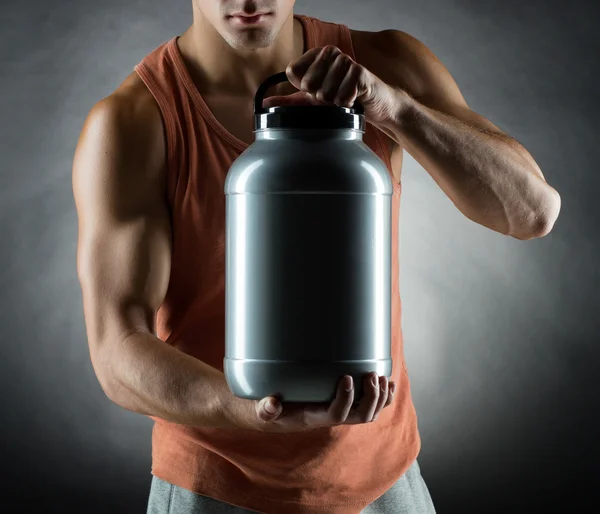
x=269, y=408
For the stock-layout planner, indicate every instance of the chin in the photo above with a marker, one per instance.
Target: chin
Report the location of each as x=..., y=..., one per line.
x=250, y=39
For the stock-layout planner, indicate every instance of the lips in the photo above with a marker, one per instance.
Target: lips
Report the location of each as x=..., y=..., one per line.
x=249, y=15
x=248, y=19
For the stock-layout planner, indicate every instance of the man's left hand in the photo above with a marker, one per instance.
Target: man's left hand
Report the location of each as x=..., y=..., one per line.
x=326, y=76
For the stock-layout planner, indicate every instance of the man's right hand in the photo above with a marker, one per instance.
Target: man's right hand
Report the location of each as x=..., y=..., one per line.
x=295, y=417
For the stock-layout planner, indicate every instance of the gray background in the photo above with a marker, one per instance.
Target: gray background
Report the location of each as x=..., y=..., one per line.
x=502, y=336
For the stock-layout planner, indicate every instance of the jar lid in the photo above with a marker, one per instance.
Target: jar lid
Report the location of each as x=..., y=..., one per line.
x=320, y=117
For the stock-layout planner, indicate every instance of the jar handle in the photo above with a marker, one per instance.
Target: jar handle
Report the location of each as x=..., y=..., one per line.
x=277, y=79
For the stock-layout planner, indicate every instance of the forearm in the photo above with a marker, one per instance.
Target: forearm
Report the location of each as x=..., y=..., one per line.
x=143, y=374
x=490, y=178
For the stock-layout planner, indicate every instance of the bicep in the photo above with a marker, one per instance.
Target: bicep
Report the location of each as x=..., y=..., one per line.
x=124, y=239
x=123, y=267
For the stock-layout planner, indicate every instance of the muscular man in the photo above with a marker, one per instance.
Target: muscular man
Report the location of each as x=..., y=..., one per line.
x=148, y=181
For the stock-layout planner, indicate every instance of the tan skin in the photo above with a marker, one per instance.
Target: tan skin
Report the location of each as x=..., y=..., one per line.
x=124, y=247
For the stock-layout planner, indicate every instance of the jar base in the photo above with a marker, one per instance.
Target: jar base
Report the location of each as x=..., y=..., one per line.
x=298, y=381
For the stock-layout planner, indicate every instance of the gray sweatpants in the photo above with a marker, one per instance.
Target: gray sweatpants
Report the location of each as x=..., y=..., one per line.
x=409, y=495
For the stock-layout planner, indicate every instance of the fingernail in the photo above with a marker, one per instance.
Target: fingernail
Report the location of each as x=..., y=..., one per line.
x=270, y=407
x=393, y=388
x=375, y=380
x=349, y=384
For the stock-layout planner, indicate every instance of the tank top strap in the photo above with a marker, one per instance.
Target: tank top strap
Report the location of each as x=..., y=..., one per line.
x=322, y=33
x=158, y=73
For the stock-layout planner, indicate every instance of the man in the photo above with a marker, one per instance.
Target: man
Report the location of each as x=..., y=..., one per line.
x=148, y=180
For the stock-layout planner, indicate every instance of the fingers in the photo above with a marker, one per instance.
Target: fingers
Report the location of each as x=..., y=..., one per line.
x=340, y=407
x=329, y=89
x=378, y=393
x=296, y=70
x=299, y=98
x=375, y=399
x=348, y=90
x=326, y=73
x=383, y=396
x=320, y=69
x=302, y=416
x=268, y=409
x=392, y=391
x=368, y=403
x=314, y=415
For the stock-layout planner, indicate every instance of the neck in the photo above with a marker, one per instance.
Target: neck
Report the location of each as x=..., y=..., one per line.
x=216, y=66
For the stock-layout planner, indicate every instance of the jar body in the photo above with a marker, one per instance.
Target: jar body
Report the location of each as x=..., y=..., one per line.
x=308, y=265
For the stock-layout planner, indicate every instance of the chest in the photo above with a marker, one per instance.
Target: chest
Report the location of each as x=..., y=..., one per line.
x=235, y=113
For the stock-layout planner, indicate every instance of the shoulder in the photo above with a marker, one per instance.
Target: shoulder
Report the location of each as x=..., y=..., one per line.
x=129, y=119
x=130, y=108
x=388, y=41
x=397, y=58
x=122, y=137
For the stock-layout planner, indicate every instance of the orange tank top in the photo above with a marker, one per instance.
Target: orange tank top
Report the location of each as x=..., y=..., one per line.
x=325, y=470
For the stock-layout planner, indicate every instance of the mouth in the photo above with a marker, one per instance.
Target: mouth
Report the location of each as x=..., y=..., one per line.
x=249, y=19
